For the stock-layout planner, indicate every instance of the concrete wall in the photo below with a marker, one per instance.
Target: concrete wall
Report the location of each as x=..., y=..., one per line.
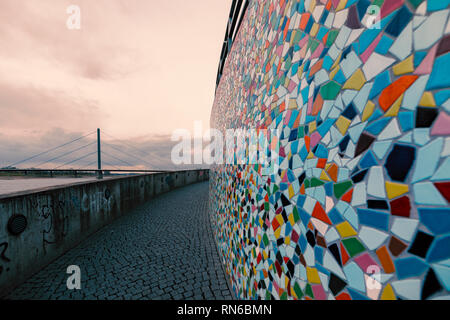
x=59, y=218
x=359, y=205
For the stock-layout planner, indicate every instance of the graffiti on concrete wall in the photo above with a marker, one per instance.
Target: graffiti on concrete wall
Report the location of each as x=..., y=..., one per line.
x=3, y=257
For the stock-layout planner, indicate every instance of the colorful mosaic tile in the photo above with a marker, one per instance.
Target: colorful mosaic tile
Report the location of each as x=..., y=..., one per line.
x=359, y=208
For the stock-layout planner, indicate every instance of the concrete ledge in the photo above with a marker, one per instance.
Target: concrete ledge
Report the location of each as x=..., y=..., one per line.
x=60, y=217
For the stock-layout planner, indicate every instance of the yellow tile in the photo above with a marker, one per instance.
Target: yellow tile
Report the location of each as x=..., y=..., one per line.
x=312, y=127
x=287, y=240
x=314, y=30
x=342, y=124
x=292, y=104
x=333, y=72
x=336, y=63
x=291, y=192
x=300, y=71
x=313, y=275
x=393, y=110
x=427, y=100
x=394, y=189
x=277, y=232
x=368, y=110
x=312, y=6
x=293, y=292
x=310, y=155
x=405, y=66
x=291, y=219
x=388, y=293
x=341, y=5
x=324, y=176
x=346, y=230
x=280, y=219
x=356, y=81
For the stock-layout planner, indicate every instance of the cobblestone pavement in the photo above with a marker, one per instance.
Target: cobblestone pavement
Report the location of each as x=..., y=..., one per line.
x=164, y=249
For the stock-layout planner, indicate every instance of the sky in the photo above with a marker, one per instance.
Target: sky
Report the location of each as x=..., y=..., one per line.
x=137, y=69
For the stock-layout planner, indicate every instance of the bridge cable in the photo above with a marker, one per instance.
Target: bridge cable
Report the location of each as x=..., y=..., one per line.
x=80, y=158
x=128, y=154
x=124, y=143
x=67, y=153
x=103, y=152
x=52, y=149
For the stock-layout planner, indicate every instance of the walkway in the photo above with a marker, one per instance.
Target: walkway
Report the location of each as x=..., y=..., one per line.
x=162, y=250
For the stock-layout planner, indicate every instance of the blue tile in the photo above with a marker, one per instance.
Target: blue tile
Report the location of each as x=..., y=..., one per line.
x=440, y=249
x=435, y=5
x=439, y=78
x=409, y=267
x=376, y=127
x=406, y=120
x=335, y=216
x=384, y=45
x=399, y=22
x=368, y=160
x=373, y=218
x=381, y=82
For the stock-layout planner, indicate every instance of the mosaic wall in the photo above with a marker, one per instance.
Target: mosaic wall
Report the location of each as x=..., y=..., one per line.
x=359, y=208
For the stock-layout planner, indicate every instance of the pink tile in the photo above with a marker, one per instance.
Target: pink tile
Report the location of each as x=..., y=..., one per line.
x=318, y=51
x=310, y=105
x=442, y=125
x=426, y=66
x=319, y=293
x=315, y=138
x=366, y=54
x=335, y=3
x=292, y=86
x=389, y=6
x=364, y=261
x=288, y=117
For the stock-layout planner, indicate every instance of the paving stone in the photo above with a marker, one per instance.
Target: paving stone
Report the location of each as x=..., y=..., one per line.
x=163, y=249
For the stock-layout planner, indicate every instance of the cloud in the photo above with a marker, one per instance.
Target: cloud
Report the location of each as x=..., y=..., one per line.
x=98, y=51
x=29, y=108
x=136, y=153
x=136, y=68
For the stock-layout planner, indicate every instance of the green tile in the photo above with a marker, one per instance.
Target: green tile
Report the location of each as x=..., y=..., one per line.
x=353, y=246
x=330, y=90
x=308, y=291
x=298, y=291
x=341, y=188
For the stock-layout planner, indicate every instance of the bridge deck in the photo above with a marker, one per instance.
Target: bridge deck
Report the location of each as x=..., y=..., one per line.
x=164, y=249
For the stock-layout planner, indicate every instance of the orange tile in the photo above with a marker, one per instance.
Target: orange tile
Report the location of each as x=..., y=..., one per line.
x=344, y=255
x=321, y=163
x=343, y=296
x=304, y=20
x=333, y=172
x=307, y=142
x=385, y=260
x=317, y=106
x=320, y=214
x=316, y=67
x=394, y=91
x=347, y=197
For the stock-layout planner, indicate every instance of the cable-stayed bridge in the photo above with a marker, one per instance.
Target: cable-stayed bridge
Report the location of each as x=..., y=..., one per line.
x=88, y=153
x=98, y=203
